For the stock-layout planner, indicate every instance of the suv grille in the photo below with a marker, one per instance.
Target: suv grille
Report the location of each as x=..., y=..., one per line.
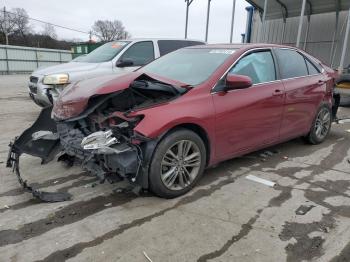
x=34, y=79
x=33, y=84
x=33, y=89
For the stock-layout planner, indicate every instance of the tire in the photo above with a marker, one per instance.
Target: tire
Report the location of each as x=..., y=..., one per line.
x=320, y=126
x=172, y=175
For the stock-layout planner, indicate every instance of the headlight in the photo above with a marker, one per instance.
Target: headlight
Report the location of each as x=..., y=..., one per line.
x=56, y=79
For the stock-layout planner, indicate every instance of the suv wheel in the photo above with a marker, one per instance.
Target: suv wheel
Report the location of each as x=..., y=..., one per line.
x=178, y=163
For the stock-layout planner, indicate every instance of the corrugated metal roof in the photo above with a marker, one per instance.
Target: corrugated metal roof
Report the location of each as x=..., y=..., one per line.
x=291, y=8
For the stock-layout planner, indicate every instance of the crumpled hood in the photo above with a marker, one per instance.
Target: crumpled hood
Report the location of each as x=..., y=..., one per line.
x=70, y=67
x=75, y=97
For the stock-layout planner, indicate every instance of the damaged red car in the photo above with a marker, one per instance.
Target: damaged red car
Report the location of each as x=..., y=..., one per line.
x=160, y=126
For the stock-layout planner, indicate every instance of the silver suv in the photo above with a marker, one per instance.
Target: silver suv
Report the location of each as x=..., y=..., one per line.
x=118, y=57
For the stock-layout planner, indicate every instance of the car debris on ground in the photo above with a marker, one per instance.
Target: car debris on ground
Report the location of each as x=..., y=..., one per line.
x=303, y=209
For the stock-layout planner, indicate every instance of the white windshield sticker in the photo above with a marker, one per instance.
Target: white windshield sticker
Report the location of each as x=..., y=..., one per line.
x=222, y=51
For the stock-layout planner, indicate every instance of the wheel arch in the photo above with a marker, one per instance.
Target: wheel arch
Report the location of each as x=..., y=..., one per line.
x=199, y=131
x=152, y=146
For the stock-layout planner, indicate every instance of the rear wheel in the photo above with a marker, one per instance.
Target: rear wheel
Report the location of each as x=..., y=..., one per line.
x=321, y=126
x=177, y=164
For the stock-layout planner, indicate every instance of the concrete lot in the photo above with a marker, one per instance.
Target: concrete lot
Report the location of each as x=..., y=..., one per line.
x=225, y=218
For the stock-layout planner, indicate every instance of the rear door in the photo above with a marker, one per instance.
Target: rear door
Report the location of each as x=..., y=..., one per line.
x=249, y=118
x=303, y=86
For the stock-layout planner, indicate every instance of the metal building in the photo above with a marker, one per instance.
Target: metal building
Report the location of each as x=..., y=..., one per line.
x=20, y=59
x=321, y=27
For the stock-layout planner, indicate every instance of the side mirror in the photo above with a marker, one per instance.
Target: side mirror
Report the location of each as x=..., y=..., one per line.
x=237, y=82
x=125, y=63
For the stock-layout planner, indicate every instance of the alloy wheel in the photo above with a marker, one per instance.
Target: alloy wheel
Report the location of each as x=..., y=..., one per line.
x=322, y=124
x=180, y=165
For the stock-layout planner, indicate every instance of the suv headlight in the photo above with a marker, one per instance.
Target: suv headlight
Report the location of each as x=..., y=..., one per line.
x=56, y=79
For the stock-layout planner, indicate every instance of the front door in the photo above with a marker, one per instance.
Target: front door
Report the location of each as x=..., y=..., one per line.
x=140, y=54
x=249, y=118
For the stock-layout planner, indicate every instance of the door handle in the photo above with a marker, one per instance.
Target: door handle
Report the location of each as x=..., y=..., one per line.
x=321, y=82
x=277, y=92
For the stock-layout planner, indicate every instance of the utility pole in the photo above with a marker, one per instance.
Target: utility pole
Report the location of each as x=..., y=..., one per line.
x=5, y=27
x=207, y=26
x=188, y=3
x=90, y=36
x=232, y=19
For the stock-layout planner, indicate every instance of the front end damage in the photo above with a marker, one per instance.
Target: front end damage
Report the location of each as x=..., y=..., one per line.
x=101, y=139
x=44, y=145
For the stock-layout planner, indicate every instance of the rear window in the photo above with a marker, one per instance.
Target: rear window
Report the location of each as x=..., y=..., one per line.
x=167, y=46
x=292, y=64
x=311, y=67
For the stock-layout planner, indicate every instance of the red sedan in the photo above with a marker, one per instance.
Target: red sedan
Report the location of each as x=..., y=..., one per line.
x=162, y=125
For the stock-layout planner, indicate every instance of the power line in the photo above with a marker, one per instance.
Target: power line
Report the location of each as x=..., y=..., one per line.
x=60, y=26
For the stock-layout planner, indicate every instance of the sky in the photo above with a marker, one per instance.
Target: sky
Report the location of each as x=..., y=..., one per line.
x=141, y=18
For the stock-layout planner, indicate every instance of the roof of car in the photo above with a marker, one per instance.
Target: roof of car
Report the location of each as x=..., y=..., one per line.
x=237, y=46
x=174, y=39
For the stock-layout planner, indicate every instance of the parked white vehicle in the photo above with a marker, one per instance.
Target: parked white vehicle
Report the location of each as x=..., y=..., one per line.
x=118, y=57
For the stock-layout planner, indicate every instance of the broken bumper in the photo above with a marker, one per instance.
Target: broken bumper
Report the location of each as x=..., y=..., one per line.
x=46, y=138
x=45, y=149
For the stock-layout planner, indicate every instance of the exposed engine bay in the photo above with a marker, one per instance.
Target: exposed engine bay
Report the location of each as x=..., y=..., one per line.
x=101, y=139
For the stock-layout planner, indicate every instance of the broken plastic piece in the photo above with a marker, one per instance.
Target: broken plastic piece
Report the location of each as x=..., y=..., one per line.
x=13, y=162
x=343, y=121
x=148, y=258
x=47, y=135
x=303, y=209
x=261, y=180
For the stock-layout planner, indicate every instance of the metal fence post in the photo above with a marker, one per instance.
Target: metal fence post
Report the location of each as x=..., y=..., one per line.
x=7, y=61
x=345, y=45
x=331, y=58
x=207, y=25
x=188, y=3
x=37, y=58
x=283, y=30
x=262, y=33
x=307, y=32
x=232, y=19
x=301, y=23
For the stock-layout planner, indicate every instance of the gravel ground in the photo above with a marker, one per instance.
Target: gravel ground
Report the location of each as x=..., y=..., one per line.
x=225, y=218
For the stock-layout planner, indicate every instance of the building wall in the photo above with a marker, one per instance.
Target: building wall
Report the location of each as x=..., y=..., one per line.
x=319, y=42
x=19, y=59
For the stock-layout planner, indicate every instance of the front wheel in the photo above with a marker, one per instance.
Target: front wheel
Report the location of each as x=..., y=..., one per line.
x=320, y=126
x=177, y=164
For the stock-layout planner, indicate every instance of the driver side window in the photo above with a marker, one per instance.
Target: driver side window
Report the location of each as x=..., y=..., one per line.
x=259, y=66
x=140, y=53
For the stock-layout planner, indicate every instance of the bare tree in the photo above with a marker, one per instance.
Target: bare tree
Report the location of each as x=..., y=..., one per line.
x=21, y=19
x=49, y=30
x=7, y=24
x=107, y=30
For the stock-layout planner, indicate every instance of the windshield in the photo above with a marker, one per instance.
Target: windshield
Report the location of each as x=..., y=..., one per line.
x=191, y=66
x=104, y=53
